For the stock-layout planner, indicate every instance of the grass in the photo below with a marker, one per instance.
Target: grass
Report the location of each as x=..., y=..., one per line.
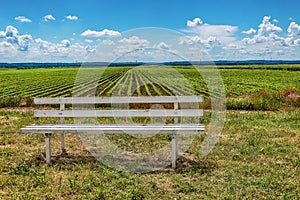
x=257, y=157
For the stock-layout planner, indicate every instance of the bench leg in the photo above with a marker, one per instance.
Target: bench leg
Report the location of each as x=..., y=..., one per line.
x=48, y=148
x=63, y=146
x=174, y=150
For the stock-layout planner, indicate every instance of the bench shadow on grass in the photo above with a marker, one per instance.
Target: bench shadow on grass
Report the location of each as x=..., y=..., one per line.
x=189, y=164
x=185, y=163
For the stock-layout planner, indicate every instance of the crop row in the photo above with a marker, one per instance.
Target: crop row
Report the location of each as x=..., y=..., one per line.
x=146, y=81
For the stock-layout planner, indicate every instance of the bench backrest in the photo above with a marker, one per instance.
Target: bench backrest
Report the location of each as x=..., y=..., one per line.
x=81, y=110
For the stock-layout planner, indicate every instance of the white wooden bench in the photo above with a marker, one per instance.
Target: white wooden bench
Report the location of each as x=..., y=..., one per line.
x=175, y=112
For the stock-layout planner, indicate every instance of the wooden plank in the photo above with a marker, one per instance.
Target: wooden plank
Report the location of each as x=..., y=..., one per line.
x=119, y=100
x=119, y=113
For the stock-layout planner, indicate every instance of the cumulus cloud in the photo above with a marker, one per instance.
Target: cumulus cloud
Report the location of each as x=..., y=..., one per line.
x=5, y=44
x=134, y=41
x=250, y=31
x=24, y=42
x=72, y=17
x=268, y=42
x=11, y=35
x=42, y=44
x=23, y=19
x=108, y=42
x=163, y=46
x=2, y=34
x=234, y=47
x=209, y=36
x=196, y=21
x=297, y=42
x=66, y=43
x=16, y=47
x=63, y=51
x=88, y=41
x=294, y=30
x=103, y=33
x=267, y=32
x=49, y=18
x=208, y=43
x=275, y=20
x=7, y=51
x=11, y=31
x=256, y=39
x=267, y=27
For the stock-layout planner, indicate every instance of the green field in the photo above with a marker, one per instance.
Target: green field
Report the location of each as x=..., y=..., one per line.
x=247, y=87
x=257, y=156
x=57, y=82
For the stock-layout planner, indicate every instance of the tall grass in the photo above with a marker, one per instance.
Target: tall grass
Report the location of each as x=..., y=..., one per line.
x=265, y=101
x=16, y=101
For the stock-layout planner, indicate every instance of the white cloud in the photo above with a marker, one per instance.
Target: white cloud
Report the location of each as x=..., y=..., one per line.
x=22, y=19
x=163, y=46
x=72, y=17
x=290, y=18
x=42, y=44
x=5, y=44
x=131, y=44
x=49, y=18
x=209, y=36
x=134, y=41
x=15, y=47
x=234, y=47
x=266, y=43
x=64, y=51
x=256, y=39
x=108, y=42
x=11, y=31
x=88, y=41
x=2, y=34
x=24, y=42
x=266, y=33
x=197, y=21
x=294, y=30
x=297, y=42
x=250, y=31
x=66, y=43
x=11, y=35
x=266, y=27
x=103, y=33
x=275, y=20
x=208, y=43
x=7, y=51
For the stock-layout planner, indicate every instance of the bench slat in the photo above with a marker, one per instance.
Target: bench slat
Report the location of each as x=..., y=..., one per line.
x=119, y=100
x=115, y=128
x=119, y=113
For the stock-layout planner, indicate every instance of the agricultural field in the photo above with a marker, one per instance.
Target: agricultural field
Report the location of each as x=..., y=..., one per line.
x=257, y=155
x=272, y=83
x=57, y=82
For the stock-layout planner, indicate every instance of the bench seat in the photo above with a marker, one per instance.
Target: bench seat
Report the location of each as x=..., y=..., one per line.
x=115, y=128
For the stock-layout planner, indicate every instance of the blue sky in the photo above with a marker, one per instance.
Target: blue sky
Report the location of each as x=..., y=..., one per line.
x=67, y=31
